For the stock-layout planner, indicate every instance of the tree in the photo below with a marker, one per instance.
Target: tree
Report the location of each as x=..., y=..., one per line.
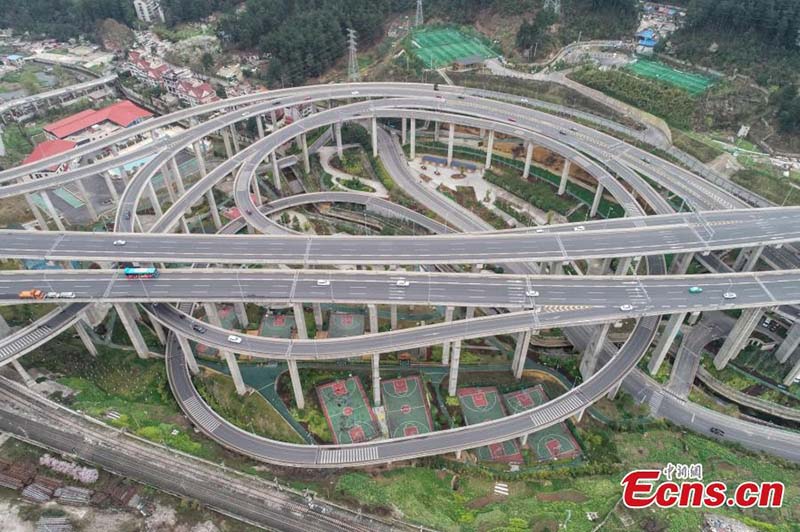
x=206, y=61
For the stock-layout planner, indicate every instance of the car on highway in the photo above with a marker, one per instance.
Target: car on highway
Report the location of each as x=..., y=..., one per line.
x=540, y=230
x=562, y=132
x=323, y=282
x=199, y=328
x=626, y=307
x=234, y=339
x=403, y=282
x=729, y=295
x=532, y=293
x=120, y=242
x=523, y=100
x=67, y=295
x=716, y=431
x=51, y=295
x=127, y=215
x=248, y=211
x=695, y=290
x=512, y=120
x=354, y=93
x=579, y=228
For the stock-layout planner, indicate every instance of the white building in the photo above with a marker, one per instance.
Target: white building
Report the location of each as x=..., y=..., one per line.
x=148, y=11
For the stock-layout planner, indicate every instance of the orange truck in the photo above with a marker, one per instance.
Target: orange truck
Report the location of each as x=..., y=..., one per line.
x=31, y=294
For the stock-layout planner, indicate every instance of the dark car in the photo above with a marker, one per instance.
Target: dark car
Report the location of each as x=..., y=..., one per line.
x=127, y=215
x=717, y=432
x=199, y=328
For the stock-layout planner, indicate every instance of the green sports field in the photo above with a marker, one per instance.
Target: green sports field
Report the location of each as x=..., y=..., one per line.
x=406, y=406
x=485, y=404
x=691, y=83
x=347, y=411
x=553, y=443
x=277, y=326
x=440, y=47
x=343, y=324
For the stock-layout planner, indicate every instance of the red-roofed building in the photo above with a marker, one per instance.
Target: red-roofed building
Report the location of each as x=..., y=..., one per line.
x=195, y=92
x=145, y=70
x=47, y=149
x=180, y=82
x=91, y=125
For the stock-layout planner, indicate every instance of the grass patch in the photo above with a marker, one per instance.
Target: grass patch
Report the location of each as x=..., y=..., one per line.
x=700, y=150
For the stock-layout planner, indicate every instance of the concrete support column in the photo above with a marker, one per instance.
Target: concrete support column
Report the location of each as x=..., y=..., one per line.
x=80, y=328
x=159, y=330
x=273, y=116
x=297, y=387
x=489, y=148
x=612, y=393
x=260, y=126
x=403, y=131
x=89, y=207
x=680, y=264
x=276, y=171
x=168, y=179
x=212, y=206
x=671, y=329
x=226, y=139
x=151, y=193
x=373, y=318
x=52, y=210
x=436, y=131
x=579, y=415
x=40, y=219
x=623, y=266
x=235, y=138
x=393, y=316
x=127, y=316
x=374, y=137
x=413, y=151
x=230, y=358
x=257, y=193
x=197, y=147
x=110, y=185
x=528, y=157
x=753, y=259
x=317, y=314
x=450, y=140
x=590, y=356
x=241, y=314
x=521, y=353
x=523, y=441
x=376, y=379
x=176, y=175
x=448, y=317
x=300, y=321
x=26, y=377
x=188, y=354
x=598, y=195
x=789, y=344
x=306, y=158
x=452, y=384
x=337, y=130
x=738, y=336
x=562, y=186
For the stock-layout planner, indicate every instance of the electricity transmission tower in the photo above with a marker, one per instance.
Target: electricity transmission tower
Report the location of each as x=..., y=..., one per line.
x=418, y=21
x=352, y=59
x=555, y=5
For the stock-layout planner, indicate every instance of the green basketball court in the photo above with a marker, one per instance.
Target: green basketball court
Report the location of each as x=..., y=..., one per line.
x=406, y=406
x=553, y=443
x=344, y=324
x=347, y=411
x=277, y=326
x=691, y=83
x=485, y=404
x=440, y=47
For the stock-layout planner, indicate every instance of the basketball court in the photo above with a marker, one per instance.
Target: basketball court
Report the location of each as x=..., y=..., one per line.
x=347, y=411
x=406, y=407
x=277, y=326
x=343, y=324
x=484, y=404
x=553, y=443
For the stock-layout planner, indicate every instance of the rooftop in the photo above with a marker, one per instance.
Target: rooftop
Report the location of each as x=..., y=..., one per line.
x=47, y=149
x=122, y=113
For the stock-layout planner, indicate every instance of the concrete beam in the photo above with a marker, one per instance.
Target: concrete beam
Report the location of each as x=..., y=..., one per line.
x=297, y=387
x=738, y=336
x=528, y=157
x=127, y=316
x=562, y=186
x=448, y=317
x=450, y=140
x=789, y=344
x=188, y=354
x=452, y=384
x=671, y=329
x=489, y=148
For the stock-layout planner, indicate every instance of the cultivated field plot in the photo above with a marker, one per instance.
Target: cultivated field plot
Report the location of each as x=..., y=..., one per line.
x=440, y=47
x=553, y=443
x=277, y=326
x=344, y=324
x=406, y=406
x=691, y=83
x=349, y=415
x=485, y=404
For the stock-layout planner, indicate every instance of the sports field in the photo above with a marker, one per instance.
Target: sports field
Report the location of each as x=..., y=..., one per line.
x=440, y=47
x=553, y=443
x=691, y=83
x=277, y=326
x=485, y=404
x=344, y=324
x=349, y=416
x=406, y=406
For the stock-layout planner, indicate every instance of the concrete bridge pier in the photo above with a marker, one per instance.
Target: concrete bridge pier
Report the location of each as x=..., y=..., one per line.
x=623, y=265
x=562, y=186
x=393, y=316
x=188, y=354
x=87, y=199
x=374, y=137
x=450, y=140
x=26, y=377
x=592, y=352
x=489, y=148
x=260, y=126
x=337, y=129
x=448, y=317
x=306, y=158
x=300, y=321
x=738, y=336
x=671, y=329
x=598, y=195
x=127, y=315
x=789, y=344
x=241, y=314
x=159, y=330
x=413, y=139
x=151, y=193
x=523, y=441
x=230, y=358
x=212, y=204
x=110, y=186
x=37, y=214
x=297, y=387
x=80, y=328
x=376, y=358
x=234, y=138
x=318, y=321
x=452, y=384
x=403, y=131
x=521, y=352
x=176, y=175
x=680, y=264
x=528, y=157
x=276, y=171
x=226, y=140
x=436, y=131
x=52, y=210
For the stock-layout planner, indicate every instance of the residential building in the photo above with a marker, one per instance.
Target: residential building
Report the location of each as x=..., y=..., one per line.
x=91, y=125
x=178, y=82
x=149, y=11
x=47, y=149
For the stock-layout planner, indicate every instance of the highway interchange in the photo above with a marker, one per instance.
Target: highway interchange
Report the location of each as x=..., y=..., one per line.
x=602, y=156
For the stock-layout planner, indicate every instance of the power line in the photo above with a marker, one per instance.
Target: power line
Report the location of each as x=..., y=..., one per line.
x=352, y=59
x=419, y=21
